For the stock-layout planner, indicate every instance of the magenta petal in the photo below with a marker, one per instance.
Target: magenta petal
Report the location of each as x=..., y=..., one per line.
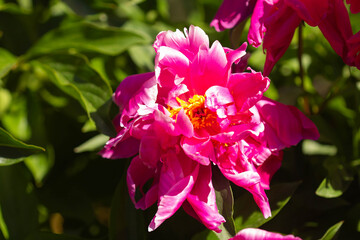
x=184, y=125
x=136, y=90
x=137, y=175
x=288, y=124
x=312, y=12
x=174, y=62
x=268, y=169
x=199, y=149
x=337, y=30
x=210, y=67
x=259, y=234
x=247, y=88
x=232, y=12
x=176, y=181
x=149, y=151
x=197, y=38
x=280, y=30
x=234, y=56
x=354, y=6
x=122, y=146
x=257, y=27
x=202, y=201
x=217, y=98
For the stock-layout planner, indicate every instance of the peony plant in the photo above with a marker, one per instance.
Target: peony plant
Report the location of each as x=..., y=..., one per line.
x=194, y=113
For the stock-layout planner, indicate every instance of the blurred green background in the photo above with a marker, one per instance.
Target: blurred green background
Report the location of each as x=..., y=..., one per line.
x=60, y=62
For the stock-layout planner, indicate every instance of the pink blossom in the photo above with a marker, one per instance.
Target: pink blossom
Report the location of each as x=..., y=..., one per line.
x=192, y=113
x=259, y=234
x=274, y=22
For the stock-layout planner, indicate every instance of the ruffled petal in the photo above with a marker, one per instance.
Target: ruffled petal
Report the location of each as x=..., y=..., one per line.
x=122, y=146
x=133, y=92
x=337, y=30
x=284, y=125
x=280, y=28
x=209, y=68
x=247, y=88
x=137, y=175
x=269, y=168
x=259, y=234
x=312, y=12
x=176, y=180
x=231, y=13
x=202, y=201
x=199, y=149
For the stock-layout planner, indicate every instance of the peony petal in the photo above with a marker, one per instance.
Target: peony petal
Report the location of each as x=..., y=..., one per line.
x=174, y=63
x=184, y=125
x=137, y=175
x=210, y=67
x=247, y=89
x=259, y=234
x=217, y=98
x=354, y=6
x=199, y=149
x=280, y=28
x=269, y=168
x=337, y=30
x=257, y=27
x=202, y=201
x=177, y=179
x=287, y=122
x=231, y=13
x=312, y=12
x=122, y=146
x=197, y=38
x=149, y=151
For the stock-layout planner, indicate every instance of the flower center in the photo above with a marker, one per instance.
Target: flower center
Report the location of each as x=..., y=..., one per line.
x=195, y=109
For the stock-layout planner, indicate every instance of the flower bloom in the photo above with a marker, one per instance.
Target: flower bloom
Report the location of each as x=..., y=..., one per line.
x=193, y=114
x=274, y=22
x=259, y=234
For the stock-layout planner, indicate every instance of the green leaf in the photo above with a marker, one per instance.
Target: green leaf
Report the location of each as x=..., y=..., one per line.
x=12, y=149
x=337, y=181
x=103, y=120
x=15, y=119
x=248, y=213
x=225, y=204
x=73, y=75
x=311, y=147
x=18, y=201
x=88, y=37
x=331, y=232
x=125, y=221
x=7, y=60
x=40, y=164
x=94, y=143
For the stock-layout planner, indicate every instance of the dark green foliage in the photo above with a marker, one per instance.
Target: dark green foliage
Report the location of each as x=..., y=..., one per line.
x=60, y=62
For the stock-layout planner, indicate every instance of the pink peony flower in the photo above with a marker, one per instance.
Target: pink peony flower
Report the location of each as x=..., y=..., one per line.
x=259, y=234
x=192, y=113
x=274, y=22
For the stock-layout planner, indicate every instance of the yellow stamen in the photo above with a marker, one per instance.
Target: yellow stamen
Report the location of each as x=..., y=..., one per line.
x=195, y=109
